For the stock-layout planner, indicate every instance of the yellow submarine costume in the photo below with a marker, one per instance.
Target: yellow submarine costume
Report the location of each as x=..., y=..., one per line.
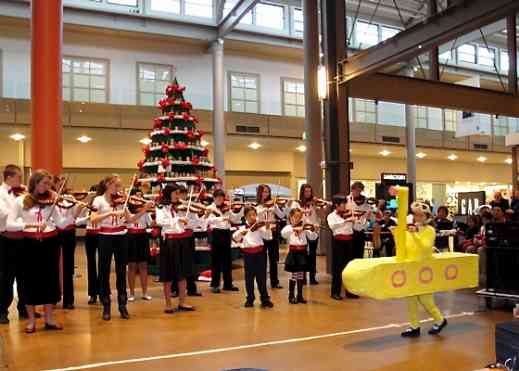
x=415, y=273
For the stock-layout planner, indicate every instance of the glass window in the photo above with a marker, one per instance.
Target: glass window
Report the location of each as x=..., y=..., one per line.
x=501, y=126
x=388, y=32
x=366, y=34
x=446, y=56
x=486, y=57
x=123, y=2
x=421, y=117
x=503, y=62
x=467, y=53
x=85, y=80
x=271, y=16
x=229, y=5
x=298, y=21
x=293, y=97
x=199, y=8
x=153, y=79
x=244, y=92
x=450, y=118
x=365, y=111
x=167, y=6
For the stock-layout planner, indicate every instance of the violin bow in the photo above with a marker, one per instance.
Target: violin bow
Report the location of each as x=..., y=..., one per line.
x=134, y=178
x=191, y=188
x=53, y=206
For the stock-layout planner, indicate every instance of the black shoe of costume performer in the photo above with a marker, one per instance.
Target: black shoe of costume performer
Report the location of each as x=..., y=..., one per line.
x=194, y=294
x=4, y=320
x=249, y=304
x=291, y=292
x=267, y=304
x=300, y=298
x=336, y=297
x=231, y=288
x=107, y=312
x=411, y=333
x=351, y=296
x=92, y=300
x=181, y=308
x=124, y=312
x=436, y=329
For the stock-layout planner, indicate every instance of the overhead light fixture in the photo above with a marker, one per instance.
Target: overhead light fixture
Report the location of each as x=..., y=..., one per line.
x=17, y=137
x=145, y=141
x=421, y=155
x=322, y=83
x=84, y=139
x=482, y=159
x=508, y=161
x=204, y=143
x=301, y=148
x=452, y=157
x=254, y=145
x=385, y=153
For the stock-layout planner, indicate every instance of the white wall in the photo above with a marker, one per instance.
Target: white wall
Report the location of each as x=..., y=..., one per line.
x=193, y=66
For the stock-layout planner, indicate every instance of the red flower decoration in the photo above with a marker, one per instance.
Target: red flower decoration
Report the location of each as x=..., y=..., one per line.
x=170, y=90
x=166, y=131
x=140, y=164
x=146, y=150
x=161, y=178
x=180, y=145
x=195, y=160
x=171, y=115
x=205, y=152
x=190, y=134
x=166, y=162
x=185, y=116
x=165, y=148
x=157, y=123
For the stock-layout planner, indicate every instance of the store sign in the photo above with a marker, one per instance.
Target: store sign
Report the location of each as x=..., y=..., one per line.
x=469, y=202
x=392, y=177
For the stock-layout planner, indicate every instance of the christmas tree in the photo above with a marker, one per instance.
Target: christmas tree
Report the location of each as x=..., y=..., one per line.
x=176, y=153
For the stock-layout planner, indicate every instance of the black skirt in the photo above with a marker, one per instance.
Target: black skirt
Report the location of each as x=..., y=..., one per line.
x=296, y=261
x=176, y=259
x=138, y=248
x=41, y=271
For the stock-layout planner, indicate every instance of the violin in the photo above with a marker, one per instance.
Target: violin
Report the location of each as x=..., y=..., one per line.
x=118, y=199
x=18, y=191
x=42, y=200
x=299, y=227
x=345, y=214
x=68, y=201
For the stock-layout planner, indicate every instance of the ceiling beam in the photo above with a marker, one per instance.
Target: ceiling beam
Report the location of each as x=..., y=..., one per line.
x=381, y=87
x=227, y=24
x=219, y=10
x=454, y=22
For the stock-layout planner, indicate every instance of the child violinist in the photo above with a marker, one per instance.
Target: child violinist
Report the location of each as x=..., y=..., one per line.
x=297, y=237
x=341, y=222
x=251, y=237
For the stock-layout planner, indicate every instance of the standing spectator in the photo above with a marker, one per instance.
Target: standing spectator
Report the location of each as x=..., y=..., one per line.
x=499, y=201
x=442, y=223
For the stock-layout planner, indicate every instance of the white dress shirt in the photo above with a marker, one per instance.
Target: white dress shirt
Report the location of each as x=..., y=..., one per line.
x=141, y=223
x=34, y=215
x=7, y=202
x=251, y=239
x=310, y=215
x=223, y=220
x=110, y=222
x=169, y=220
x=294, y=238
x=338, y=225
x=361, y=222
x=268, y=214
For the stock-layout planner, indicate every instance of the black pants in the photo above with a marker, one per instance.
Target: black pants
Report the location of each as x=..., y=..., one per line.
x=221, y=260
x=312, y=257
x=359, y=240
x=67, y=241
x=272, y=247
x=112, y=245
x=91, y=247
x=255, y=265
x=11, y=268
x=342, y=254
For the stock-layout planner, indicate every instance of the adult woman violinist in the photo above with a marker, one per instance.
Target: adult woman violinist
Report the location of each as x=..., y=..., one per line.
x=310, y=216
x=268, y=211
x=110, y=217
x=36, y=215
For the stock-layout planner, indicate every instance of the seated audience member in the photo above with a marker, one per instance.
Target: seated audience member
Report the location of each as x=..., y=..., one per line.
x=500, y=202
x=470, y=233
x=442, y=223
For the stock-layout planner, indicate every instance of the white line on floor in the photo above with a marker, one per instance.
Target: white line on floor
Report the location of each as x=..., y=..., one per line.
x=249, y=346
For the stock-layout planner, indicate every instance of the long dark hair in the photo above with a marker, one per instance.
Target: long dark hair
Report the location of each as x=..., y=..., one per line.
x=302, y=200
x=103, y=184
x=36, y=177
x=259, y=193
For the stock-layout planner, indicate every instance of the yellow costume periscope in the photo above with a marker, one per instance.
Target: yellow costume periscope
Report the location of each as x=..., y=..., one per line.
x=415, y=273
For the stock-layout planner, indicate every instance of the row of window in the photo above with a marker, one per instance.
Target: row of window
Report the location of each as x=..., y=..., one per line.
x=264, y=15
x=368, y=34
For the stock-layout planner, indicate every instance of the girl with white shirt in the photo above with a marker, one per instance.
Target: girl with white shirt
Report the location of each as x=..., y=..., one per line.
x=251, y=237
x=36, y=215
x=176, y=253
x=341, y=222
x=138, y=249
x=268, y=211
x=296, y=261
x=111, y=218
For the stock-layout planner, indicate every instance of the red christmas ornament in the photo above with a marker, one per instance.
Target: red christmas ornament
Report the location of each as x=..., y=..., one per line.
x=171, y=115
x=185, y=116
x=180, y=145
x=146, y=150
x=205, y=152
x=195, y=160
x=166, y=162
x=190, y=134
x=157, y=123
x=167, y=131
x=140, y=164
x=165, y=148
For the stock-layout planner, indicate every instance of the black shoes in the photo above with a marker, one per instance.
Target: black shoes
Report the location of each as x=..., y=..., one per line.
x=249, y=304
x=215, y=290
x=107, y=312
x=336, y=297
x=92, y=300
x=437, y=328
x=351, y=296
x=53, y=327
x=231, y=288
x=124, y=312
x=185, y=309
x=411, y=333
x=68, y=306
x=4, y=320
x=267, y=304
x=194, y=294
x=276, y=286
x=291, y=292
